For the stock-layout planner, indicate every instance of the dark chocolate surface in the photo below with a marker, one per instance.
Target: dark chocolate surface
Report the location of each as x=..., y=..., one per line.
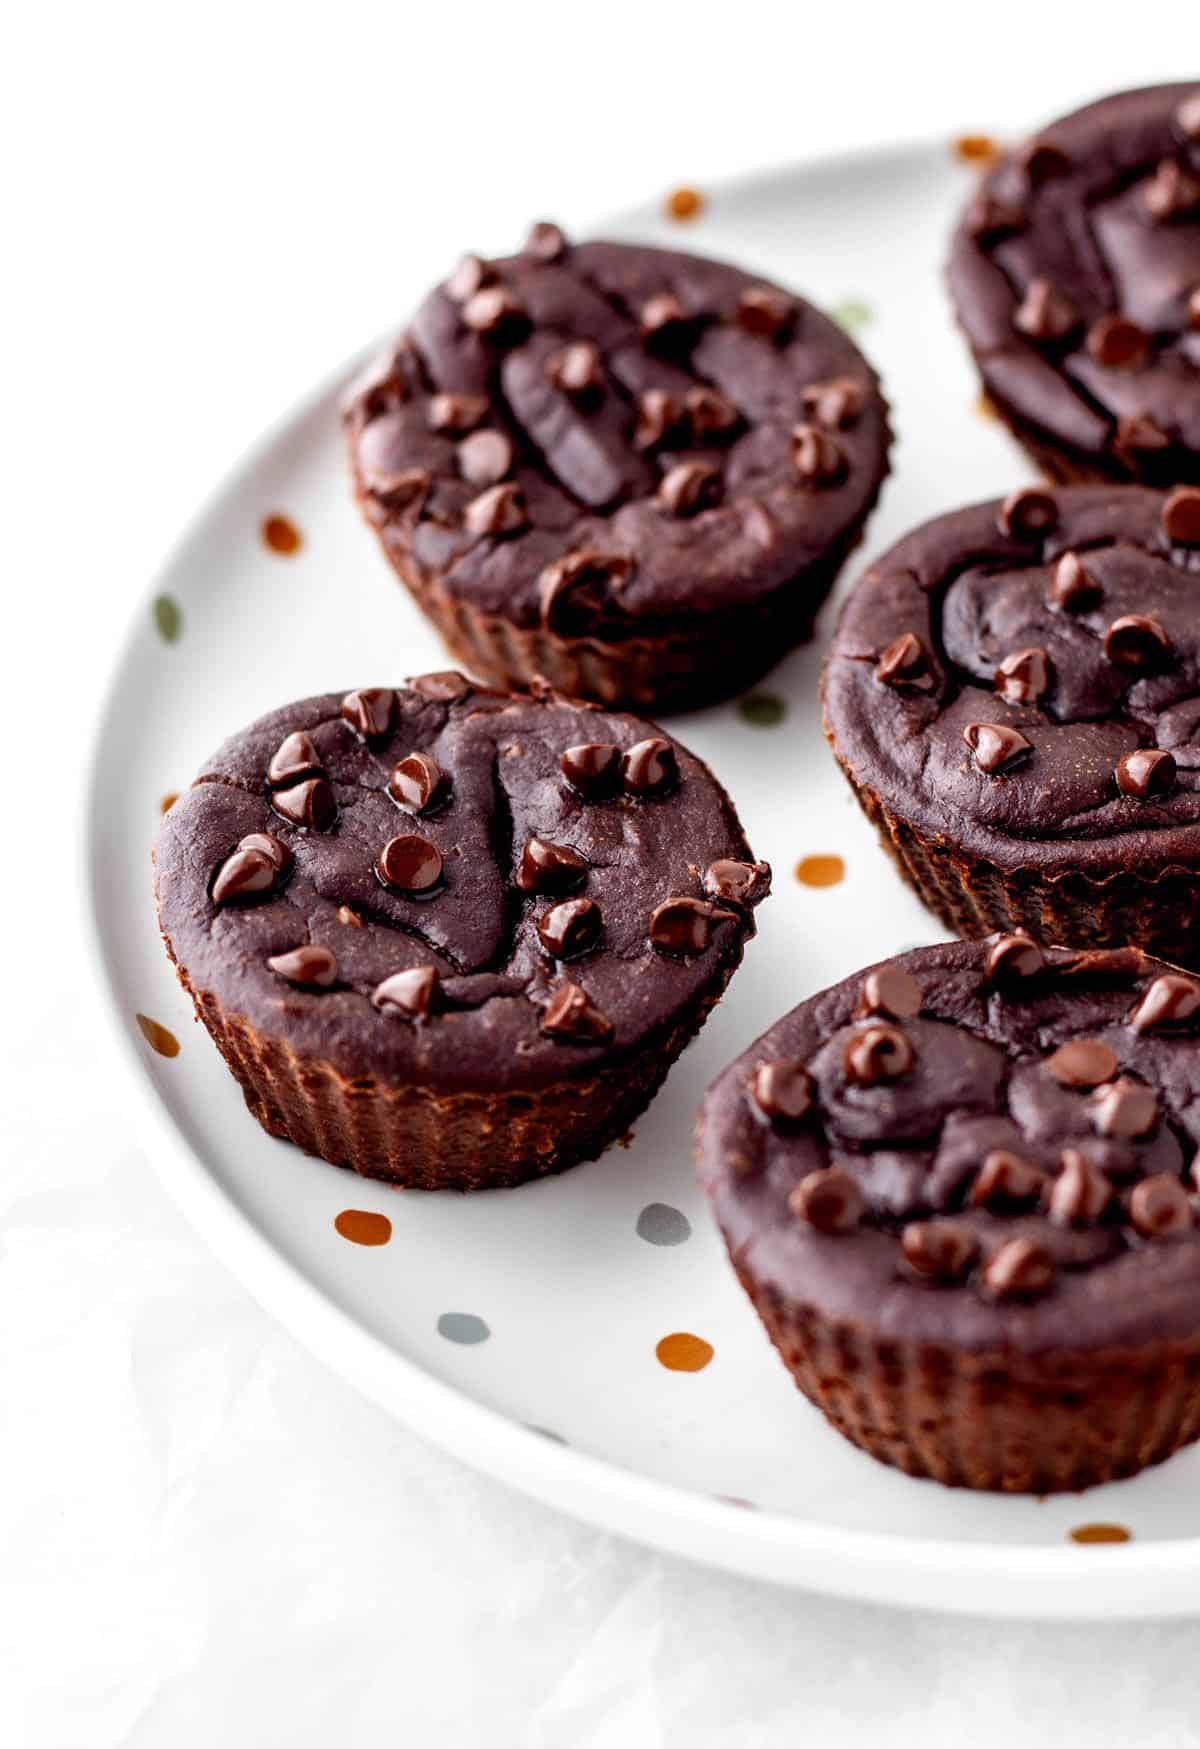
x=468, y=874
x=1098, y=218
x=701, y=435
x=991, y=1134
x=1012, y=634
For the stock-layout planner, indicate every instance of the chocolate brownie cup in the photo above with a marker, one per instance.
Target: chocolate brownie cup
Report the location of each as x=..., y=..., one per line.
x=1014, y=694
x=958, y=1189
x=449, y=937
x=633, y=472
x=1075, y=276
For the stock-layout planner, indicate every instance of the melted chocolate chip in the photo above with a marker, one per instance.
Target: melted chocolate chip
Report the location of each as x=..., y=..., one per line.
x=294, y=757
x=905, y=662
x=1023, y=677
x=1181, y=512
x=891, y=991
x=1172, y=192
x=1020, y=1269
x=446, y=687
x=1136, y=643
x=1159, y=1207
x=682, y=926
x=1028, y=514
x=485, y=457
x=499, y=510
x=836, y=403
x=662, y=318
x=1117, y=343
x=689, y=487
x=571, y=1014
x=1082, y=1062
x=403, y=487
x=739, y=883
x=577, y=371
x=783, y=1092
x=1080, y=1195
x=1146, y=773
x=649, y=768
x=274, y=849
x=409, y=863
x=570, y=929
x=939, y=1250
x=996, y=746
x=470, y=276
x=245, y=875
x=411, y=993
x=1193, y=309
x=659, y=414
x=593, y=768
x=1013, y=960
x=369, y=711
x=819, y=458
x=418, y=783
x=1171, y=1000
x=709, y=413
x=765, y=312
x=829, y=1200
x=546, y=241
x=550, y=868
x=1045, y=313
x=1124, y=1108
x=877, y=1053
x=579, y=588
x=455, y=414
x=310, y=804
x=1006, y=1182
x=313, y=968
x=495, y=312
x=1074, y=588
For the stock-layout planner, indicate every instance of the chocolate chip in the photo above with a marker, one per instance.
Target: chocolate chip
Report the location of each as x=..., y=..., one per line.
x=996, y=746
x=739, y=883
x=836, y=403
x=1080, y=1194
x=1045, y=313
x=418, y=783
x=1181, y=516
x=709, y=413
x=246, y=874
x=310, y=804
x=818, y=458
x=1136, y=643
x=455, y=413
x=877, y=1053
x=593, y=768
x=1074, y=587
x=499, y=510
x=905, y=662
x=572, y=1015
x=470, y=276
x=662, y=317
x=1013, y=960
x=1137, y=434
x=1145, y=773
x=682, y=926
x=550, y=868
x=399, y=489
x=1020, y=1269
x=445, y=687
x=294, y=757
x=829, y=1200
x=989, y=218
x=1172, y=192
x=1082, y=1062
x=1023, y=677
x=649, y=767
x=1159, y=1207
x=1028, y=514
x=783, y=1092
x=579, y=588
x=659, y=414
x=1006, y=1182
x=1117, y=343
x=412, y=992
x=890, y=991
x=314, y=968
x=939, y=1250
x=689, y=487
x=485, y=458
x=1193, y=309
x=570, y=929
x=546, y=242
x=1171, y=1000
x=274, y=849
x=409, y=863
x=369, y=711
x=496, y=313
x=1042, y=161
x=765, y=312
x=577, y=371
x=1124, y=1108
x=1187, y=118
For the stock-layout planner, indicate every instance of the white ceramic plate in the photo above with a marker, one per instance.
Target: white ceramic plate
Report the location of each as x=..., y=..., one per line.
x=568, y=1287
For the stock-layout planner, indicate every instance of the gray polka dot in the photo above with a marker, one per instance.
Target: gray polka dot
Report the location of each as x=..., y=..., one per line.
x=462, y=1327
x=660, y=1224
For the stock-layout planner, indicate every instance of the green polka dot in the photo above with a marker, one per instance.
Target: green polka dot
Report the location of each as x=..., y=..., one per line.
x=462, y=1327
x=852, y=315
x=168, y=618
x=660, y=1224
x=762, y=710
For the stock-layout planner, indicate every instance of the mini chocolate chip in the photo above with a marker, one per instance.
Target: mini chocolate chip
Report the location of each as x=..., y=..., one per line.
x=404, y=487
x=1019, y=1269
x=550, y=868
x=890, y=991
x=877, y=1053
x=1080, y=1194
x=572, y=1015
x=939, y=1250
x=662, y=317
x=996, y=746
x=1171, y=1000
x=818, y=458
x=1045, y=313
x=765, y=312
x=1124, y=1108
x=1181, y=516
x=659, y=414
x=470, y=276
x=593, y=768
x=369, y=711
x=246, y=874
x=294, y=757
x=649, y=767
x=412, y=992
x=1041, y=161
x=1172, y=192
x=496, y=313
x=689, y=487
x=577, y=371
x=1028, y=514
x=274, y=849
x=1074, y=587
x=455, y=413
x=1146, y=773
x=783, y=1092
x=546, y=241
x=682, y=926
x=1187, y=118
x=1013, y=960
x=1082, y=1062
x=314, y=968
x=1159, y=1207
x=570, y=929
x=905, y=662
x=836, y=403
x=1136, y=643
x=829, y=1200
x=485, y=457
x=1117, y=343
x=740, y=883
x=1023, y=677
x=310, y=804
x=989, y=218
x=709, y=413
x=499, y=510
x=1137, y=434
x=1005, y=1181
x=417, y=783
x=445, y=687
x=409, y=863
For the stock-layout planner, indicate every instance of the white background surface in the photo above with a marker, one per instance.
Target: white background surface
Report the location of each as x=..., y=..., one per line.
x=203, y=1536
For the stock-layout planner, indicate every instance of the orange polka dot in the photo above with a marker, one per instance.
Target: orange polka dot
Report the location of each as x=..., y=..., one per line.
x=157, y=1037
x=683, y=1352
x=1101, y=1533
x=820, y=871
x=362, y=1227
x=975, y=149
x=685, y=203
x=169, y=800
x=282, y=536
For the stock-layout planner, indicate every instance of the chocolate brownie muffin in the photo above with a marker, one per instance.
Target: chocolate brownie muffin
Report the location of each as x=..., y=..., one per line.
x=450, y=937
x=959, y=1190
x=633, y=472
x=1075, y=275
x=1014, y=694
